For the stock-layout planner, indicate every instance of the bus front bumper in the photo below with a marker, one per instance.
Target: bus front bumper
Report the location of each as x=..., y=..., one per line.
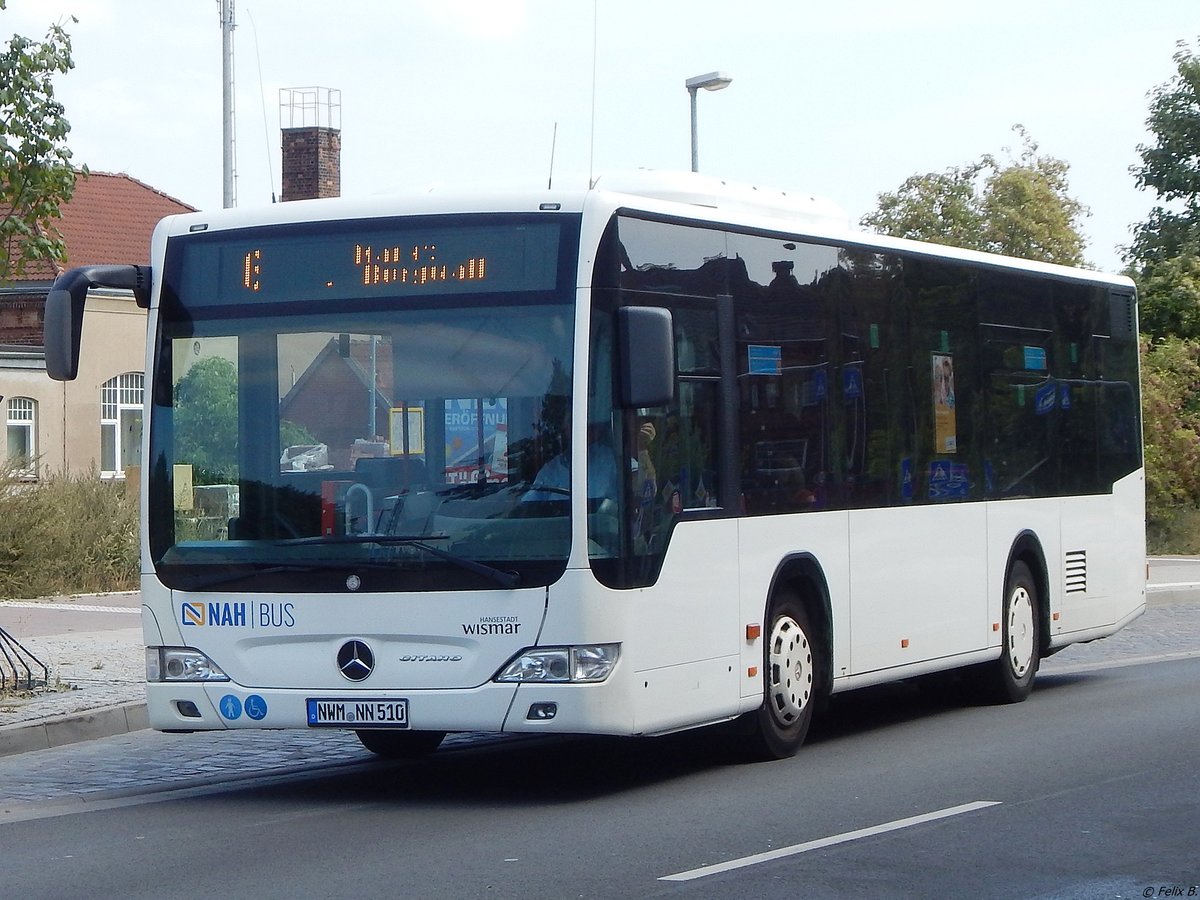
x=531, y=708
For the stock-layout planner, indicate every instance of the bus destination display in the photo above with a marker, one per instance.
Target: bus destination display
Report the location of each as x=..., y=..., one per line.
x=345, y=265
x=414, y=266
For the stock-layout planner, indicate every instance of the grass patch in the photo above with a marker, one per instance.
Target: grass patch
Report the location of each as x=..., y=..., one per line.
x=1174, y=533
x=66, y=534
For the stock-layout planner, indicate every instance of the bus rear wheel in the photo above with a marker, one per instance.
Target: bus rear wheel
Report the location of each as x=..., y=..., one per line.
x=1010, y=678
x=791, y=663
x=392, y=744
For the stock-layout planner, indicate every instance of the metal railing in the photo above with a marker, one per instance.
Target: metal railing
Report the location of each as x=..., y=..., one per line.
x=17, y=666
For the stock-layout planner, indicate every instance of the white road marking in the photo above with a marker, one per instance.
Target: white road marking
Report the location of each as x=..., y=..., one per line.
x=71, y=607
x=795, y=849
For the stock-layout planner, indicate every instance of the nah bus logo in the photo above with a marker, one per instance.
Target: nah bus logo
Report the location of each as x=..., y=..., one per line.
x=214, y=614
x=239, y=614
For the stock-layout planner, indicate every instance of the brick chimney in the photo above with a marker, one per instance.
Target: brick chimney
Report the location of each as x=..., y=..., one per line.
x=310, y=123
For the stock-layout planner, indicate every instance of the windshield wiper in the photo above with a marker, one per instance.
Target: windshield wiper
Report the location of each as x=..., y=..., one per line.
x=227, y=578
x=504, y=579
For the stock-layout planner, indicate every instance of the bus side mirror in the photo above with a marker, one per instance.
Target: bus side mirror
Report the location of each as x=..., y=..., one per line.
x=63, y=320
x=63, y=324
x=646, y=345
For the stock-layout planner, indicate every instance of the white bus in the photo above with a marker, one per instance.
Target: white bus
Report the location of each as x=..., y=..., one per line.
x=653, y=456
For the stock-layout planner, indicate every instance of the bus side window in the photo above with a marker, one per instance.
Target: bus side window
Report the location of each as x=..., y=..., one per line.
x=693, y=429
x=676, y=446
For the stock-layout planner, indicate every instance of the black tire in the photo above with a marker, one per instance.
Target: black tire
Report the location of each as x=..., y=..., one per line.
x=400, y=744
x=792, y=666
x=1010, y=678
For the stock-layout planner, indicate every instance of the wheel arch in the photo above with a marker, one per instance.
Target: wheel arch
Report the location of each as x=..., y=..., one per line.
x=803, y=575
x=1027, y=548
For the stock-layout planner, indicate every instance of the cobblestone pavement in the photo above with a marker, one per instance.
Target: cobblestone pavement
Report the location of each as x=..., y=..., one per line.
x=140, y=762
x=1169, y=627
x=108, y=667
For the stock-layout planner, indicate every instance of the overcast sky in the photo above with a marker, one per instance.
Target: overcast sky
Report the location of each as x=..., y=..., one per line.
x=841, y=100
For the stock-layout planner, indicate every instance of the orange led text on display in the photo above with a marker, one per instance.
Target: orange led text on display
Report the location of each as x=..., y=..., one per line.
x=416, y=265
x=251, y=269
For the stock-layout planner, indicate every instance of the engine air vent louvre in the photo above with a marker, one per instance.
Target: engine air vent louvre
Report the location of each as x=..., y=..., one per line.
x=1075, y=566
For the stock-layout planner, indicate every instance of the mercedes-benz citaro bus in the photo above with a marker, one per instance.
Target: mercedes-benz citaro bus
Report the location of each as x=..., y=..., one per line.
x=661, y=454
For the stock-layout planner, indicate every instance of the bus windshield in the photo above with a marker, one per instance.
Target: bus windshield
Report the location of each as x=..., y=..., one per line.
x=362, y=439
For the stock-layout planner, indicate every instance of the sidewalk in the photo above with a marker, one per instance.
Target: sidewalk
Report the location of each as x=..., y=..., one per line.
x=93, y=646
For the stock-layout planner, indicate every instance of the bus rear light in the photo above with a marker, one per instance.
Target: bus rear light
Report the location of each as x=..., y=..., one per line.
x=562, y=665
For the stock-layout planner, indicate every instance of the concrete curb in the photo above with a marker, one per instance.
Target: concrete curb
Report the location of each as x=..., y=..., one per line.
x=59, y=731
x=1167, y=594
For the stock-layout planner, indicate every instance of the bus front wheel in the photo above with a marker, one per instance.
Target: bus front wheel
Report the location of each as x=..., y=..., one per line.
x=400, y=744
x=790, y=679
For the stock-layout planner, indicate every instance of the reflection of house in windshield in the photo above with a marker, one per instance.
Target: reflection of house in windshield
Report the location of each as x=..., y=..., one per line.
x=332, y=397
x=331, y=401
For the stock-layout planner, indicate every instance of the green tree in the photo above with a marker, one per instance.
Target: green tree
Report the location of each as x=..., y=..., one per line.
x=1165, y=260
x=36, y=175
x=206, y=423
x=942, y=207
x=1165, y=255
x=1169, y=297
x=1171, y=427
x=1016, y=206
x=1171, y=166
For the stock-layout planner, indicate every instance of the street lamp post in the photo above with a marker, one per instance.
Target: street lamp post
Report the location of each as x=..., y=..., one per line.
x=713, y=81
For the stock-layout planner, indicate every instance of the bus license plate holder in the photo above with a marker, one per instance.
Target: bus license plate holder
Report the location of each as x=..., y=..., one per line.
x=354, y=712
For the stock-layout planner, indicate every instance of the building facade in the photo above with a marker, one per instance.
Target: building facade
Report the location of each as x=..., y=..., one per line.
x=92, y=424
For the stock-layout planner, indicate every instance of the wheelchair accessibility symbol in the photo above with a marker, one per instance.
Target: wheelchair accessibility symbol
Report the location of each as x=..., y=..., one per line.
x=256, y=708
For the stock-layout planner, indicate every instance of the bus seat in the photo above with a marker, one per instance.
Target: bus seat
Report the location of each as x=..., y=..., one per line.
x=386, y=475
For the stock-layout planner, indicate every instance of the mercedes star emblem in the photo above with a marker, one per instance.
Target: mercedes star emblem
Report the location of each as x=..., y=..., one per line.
x=355, y=660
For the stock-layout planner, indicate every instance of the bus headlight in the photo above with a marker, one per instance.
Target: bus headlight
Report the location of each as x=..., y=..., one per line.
x=181, y=664
x=562, y=665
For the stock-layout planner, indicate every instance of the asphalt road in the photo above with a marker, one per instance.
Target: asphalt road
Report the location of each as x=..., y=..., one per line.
x=1090, y=789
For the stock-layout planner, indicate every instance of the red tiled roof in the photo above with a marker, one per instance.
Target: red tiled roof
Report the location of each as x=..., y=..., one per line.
x=108, y=220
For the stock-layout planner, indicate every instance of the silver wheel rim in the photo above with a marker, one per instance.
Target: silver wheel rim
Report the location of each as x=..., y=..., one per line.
x=1020, y=631
x=789, y=670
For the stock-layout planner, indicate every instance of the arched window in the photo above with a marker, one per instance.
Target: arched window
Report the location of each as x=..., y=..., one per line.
x=22, y=435
x=121, y=424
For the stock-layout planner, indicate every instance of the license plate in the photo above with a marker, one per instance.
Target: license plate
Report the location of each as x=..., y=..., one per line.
x=368, y=712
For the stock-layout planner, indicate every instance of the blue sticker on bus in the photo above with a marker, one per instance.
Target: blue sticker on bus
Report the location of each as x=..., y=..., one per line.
x=852, y=382
x=820, y=387
x=906, y=478
x=1035, y=358
x=948, y=480
x=1045, y=399
x=762, y=359
x=256, y=707
x=231, y=707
